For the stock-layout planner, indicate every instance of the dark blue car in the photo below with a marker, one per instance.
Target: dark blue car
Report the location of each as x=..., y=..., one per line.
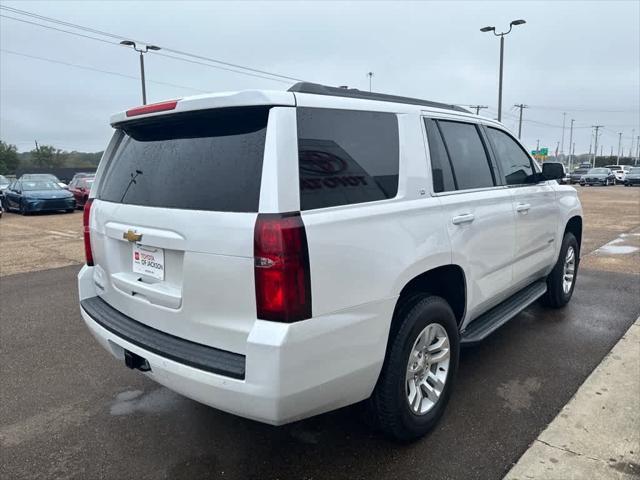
x=26, y=196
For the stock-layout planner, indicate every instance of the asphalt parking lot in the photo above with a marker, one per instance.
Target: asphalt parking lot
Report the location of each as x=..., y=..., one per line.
x=69, y=410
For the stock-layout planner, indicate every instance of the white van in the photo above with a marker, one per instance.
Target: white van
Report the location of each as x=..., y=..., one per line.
x=277, y=255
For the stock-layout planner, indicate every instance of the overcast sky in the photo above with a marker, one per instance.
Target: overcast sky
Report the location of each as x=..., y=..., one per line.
x=582, y=58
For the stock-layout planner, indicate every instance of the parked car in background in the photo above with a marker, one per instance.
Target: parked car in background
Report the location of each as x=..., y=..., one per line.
x=81, y=175
x=577, y=175
x=27, y=196
x=619, y=171
x=42, y=177
x=80, y=187
x=599, y=176
x=342, y=247
x=4, y=183
x=632, y=177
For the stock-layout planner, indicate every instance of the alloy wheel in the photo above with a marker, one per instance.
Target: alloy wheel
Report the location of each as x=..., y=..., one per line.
x=569, y=270
x=427, y=368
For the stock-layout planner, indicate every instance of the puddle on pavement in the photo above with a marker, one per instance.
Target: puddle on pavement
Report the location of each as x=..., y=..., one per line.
x=618, y=247
x=156, y=401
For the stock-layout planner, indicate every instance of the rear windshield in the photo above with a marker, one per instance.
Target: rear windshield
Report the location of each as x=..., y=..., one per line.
x=206, y=160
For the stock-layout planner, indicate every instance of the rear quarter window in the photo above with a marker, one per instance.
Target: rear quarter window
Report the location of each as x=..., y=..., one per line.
x=205, y=160
x=346, y=156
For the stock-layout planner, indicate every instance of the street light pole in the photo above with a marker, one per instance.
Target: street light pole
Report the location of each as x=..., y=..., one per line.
x=501, y=35
x=500, y=80
x=370, y=75
x=595, y=148
x=619, y=145
x=144, y=88
x=129, y=43
x=571, y=143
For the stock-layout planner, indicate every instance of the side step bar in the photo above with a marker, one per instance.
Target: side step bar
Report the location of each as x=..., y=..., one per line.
x=489, y=322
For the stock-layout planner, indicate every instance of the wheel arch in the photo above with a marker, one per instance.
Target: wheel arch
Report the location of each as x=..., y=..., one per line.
x=574, y=225
x=446, y=281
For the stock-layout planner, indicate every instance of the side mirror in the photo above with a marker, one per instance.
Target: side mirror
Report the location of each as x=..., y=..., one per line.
x=552, y=171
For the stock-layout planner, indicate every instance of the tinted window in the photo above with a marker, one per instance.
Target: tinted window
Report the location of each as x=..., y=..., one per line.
x=440, y=167
x=467, y=154
x=207, y=160
x=346, y=157
x=514, y=162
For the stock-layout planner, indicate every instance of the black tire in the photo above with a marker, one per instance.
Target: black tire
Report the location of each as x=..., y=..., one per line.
x=70, y=210
x=556, y=297
x=388, y=407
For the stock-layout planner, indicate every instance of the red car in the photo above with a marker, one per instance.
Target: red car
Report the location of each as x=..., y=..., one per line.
x=80, y=187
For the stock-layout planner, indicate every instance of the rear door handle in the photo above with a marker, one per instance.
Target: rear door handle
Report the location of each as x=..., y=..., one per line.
x=464, y=218
x=523, y=207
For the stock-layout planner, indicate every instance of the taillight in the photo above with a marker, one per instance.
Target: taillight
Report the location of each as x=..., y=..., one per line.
x=85, y=230
x=152, y=108
x=281, y=256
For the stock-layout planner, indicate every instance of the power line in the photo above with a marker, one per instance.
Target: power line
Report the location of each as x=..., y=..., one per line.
x=57, y=29
x=572, y=109
x=85, y=67
x=117, y=44
x=120, y=37
x=515, y=117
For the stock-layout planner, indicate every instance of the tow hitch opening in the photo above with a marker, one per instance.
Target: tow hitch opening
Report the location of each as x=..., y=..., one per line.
x=136, y=362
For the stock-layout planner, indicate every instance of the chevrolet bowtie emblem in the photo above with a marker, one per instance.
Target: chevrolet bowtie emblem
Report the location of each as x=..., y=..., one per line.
x=132, y=236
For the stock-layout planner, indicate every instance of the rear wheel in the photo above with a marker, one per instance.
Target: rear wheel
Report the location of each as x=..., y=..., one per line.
x=417, y=376
x=562, y=279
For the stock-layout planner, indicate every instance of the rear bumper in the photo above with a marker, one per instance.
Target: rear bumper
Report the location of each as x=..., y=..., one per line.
x=291, y=371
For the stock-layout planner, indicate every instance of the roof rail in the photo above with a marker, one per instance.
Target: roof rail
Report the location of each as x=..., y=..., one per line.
x=317, y=89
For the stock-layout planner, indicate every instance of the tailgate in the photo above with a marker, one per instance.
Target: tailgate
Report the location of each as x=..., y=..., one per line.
x=173, y=219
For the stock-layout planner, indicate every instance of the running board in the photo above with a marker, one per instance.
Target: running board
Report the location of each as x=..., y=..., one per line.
x=489, y=322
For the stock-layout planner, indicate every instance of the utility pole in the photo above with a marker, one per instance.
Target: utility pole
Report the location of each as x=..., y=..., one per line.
x=564, y=117
x=538, y=144
x=570, y=142
x=633, y=132
x=478, y=108
x=522, y=106
x=370, y=75
x=637, y=149
x=619, y=145
x=611, y=155
x=595, y=148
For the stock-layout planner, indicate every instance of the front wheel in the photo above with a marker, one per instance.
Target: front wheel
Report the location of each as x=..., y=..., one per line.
x=417, y=376
x=562, y=279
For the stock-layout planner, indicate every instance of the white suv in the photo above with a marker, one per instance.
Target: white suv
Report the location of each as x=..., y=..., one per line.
x=277, y=255
x=620, y=171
